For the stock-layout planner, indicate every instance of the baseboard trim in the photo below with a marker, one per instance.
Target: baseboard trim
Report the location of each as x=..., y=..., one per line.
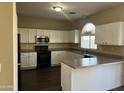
x=54, y=65
x=27, y=68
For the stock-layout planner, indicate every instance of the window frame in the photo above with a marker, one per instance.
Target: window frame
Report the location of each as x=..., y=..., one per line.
x=88, y=34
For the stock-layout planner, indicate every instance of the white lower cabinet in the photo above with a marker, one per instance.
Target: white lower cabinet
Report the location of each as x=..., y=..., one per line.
x=32, y=59
x=24, y=60
x=55, y=57
x=28, y=60
x=92, y=78
x=54, y=60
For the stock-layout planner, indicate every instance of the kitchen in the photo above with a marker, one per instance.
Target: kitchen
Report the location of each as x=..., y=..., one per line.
x=70, y=47
x=62, y=46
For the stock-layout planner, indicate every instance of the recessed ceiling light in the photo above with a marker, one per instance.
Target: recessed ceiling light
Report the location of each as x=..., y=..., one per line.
x=57, y=8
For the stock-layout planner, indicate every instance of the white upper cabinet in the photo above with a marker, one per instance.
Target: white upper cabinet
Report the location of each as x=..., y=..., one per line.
x=63, y=37
x=40, y=32
x=100, y=34
x=43, y=32
x=55, y=36
x=47, y=33
x=75, y=36
x=24, y=35
x=32, y=35
x=52, y=37
x=110, y=34
x=72, y=36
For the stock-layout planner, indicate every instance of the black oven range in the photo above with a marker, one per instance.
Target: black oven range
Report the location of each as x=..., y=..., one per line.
x=43, y=56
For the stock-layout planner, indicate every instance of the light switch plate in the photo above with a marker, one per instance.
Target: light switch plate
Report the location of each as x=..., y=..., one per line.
x=0, y=67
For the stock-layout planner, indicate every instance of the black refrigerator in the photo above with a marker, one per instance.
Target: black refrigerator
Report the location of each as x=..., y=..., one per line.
x=19, y=62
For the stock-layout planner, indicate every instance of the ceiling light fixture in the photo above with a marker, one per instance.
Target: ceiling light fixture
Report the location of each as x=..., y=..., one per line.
x=57, y=8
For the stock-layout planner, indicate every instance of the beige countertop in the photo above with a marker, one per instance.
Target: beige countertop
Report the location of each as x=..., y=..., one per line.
x=78, y=61
x=27, y=50
x=75, y=59
x=51, y=49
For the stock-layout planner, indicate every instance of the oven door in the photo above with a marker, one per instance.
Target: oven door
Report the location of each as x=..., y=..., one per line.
x=43, y=59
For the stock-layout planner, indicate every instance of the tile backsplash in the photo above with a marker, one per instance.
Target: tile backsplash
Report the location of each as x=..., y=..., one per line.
x=105, y=49
x=114, y=50
x=27, y=46
x=51, y=45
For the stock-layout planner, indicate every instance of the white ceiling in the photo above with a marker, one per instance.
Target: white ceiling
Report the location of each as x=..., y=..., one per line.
x=45, y=10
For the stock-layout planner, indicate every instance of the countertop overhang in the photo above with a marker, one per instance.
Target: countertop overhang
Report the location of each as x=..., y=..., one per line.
x=78, y=61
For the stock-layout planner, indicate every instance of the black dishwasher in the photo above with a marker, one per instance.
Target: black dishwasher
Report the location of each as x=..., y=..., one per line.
x=43, y=56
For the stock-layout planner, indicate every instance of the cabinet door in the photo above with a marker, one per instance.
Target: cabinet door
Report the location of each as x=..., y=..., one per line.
x=47, y=33
x=112, y=34
x=54, y=58
x=58, y=36
x=63, y=37
x=76, y=36
x=72, y=36
x=40, y=32
x=24, y=60
x=55, y=37
x=100, y=34
x=24, y=34
x=67, y=37
x=109, y=34
x=52, y=37
x=32, y=60
x=32, y=34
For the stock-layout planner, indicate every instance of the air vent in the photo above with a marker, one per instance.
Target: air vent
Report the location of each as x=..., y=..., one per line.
x=72, y=12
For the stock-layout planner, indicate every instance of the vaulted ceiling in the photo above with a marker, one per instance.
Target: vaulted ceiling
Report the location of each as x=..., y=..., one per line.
x=45, y=9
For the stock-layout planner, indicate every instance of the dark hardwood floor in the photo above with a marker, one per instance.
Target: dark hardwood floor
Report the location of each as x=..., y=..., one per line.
x=118, y=89
x=45, y=79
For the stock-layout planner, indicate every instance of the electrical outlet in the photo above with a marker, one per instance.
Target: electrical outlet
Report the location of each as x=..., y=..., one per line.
x=100, y=48
x=123, y=50
x=112, y=48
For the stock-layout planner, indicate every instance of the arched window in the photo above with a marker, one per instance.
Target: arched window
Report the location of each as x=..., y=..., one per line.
x=88, y=36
